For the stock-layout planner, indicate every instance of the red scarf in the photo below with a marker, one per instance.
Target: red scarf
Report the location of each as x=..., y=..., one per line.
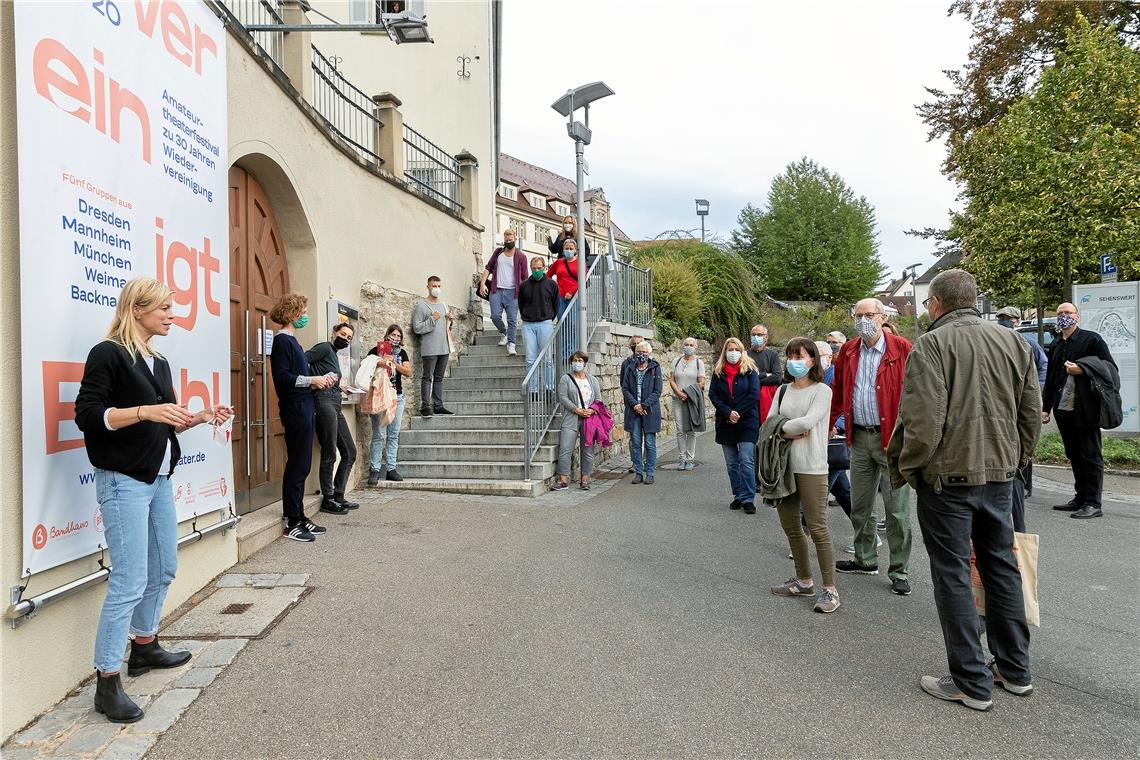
x=730, y=373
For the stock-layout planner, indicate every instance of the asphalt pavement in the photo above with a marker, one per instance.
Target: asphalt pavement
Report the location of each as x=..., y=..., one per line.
x=635, y=621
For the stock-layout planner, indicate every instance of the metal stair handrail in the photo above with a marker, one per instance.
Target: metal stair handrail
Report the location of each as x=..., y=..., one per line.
x=540, y=407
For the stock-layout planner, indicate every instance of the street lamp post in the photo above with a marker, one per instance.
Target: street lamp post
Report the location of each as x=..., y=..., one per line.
x=702, y=212
x=914, y=295
x=581, y=97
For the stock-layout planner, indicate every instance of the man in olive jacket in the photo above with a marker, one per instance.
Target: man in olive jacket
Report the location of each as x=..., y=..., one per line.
x=969, y=416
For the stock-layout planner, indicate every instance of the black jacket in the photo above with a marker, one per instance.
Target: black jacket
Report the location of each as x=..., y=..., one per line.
x=112, y=379
x=538, y=301
x=744, y=398
x=768, y=365
x=1105, y=380
x=1080, y=344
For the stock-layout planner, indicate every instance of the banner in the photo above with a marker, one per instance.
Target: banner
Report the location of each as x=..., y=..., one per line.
x=121, y=117
x=1113, y=311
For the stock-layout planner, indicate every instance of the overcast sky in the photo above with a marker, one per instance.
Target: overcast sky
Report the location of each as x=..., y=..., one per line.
x=713, y=99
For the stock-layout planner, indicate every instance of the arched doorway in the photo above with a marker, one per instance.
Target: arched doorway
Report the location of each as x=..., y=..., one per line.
x=259, y=274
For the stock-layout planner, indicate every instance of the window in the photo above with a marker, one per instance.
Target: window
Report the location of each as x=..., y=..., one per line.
x=537, y=201
x=517, y=226
x=561, y=209
x=508, y=191
x=541, y=234
x=358, y=12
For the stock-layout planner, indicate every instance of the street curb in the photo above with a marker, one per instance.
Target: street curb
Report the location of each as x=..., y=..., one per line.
x=1122, y=473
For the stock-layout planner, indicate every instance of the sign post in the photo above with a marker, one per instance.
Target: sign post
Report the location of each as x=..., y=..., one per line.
x=1107, y=269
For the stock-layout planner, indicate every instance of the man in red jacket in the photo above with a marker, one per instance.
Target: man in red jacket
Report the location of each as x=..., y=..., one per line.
x=867, y=389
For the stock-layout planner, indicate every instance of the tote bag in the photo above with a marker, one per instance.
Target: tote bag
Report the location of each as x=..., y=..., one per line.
x=1025, y=547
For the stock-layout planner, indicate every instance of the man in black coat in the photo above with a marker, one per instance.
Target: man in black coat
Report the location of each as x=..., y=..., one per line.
x=1076, y=405
x=538, y=307
x=767, y=360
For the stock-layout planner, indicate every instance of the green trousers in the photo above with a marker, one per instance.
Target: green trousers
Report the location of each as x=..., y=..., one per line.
x=868, y=469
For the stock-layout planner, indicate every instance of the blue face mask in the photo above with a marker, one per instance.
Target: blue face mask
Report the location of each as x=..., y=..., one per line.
x=758, y=340
x=797, y=367
x=569, y=253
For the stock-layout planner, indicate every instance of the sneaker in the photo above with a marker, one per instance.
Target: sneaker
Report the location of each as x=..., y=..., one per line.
x=832, y=501
x=584, y=485
x=648, y=480
x=878, y=542
x=749, y=508
x=393, y=476
x=502, y=340
x=312, y=527
x=374, y=477
x=560, y=485
x=333, y=507
x=851, y=566
x=442, y=410
x=637, y=478
x=900, y=586
x=1012, y=688
x=792, y=587
x=736, y=504
x=848, y=549
x=511, y=351
x=945, y=688
x=828, y=601
x=425, y=412
x=298, y=533
x=881, y=526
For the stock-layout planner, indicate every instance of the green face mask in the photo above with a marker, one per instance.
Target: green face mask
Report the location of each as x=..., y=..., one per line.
x=301, y=321
x=537, y=274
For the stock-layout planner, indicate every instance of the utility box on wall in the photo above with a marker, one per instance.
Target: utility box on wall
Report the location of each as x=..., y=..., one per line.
x=1113, y=311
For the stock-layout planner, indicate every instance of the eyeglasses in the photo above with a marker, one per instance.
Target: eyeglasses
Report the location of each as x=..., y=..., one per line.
x=926, y=301
x=868, y=315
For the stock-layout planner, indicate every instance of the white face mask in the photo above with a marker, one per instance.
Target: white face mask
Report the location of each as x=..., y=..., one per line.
x=733, y=357
x=436, y=291
x=866, y=327
x=568, y=227
x=689, y=350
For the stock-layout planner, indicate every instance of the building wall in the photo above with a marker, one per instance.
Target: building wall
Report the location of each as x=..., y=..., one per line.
x=340, y=233
x=452, y=111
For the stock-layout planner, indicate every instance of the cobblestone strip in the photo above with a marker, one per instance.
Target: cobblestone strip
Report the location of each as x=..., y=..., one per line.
x=72, y=730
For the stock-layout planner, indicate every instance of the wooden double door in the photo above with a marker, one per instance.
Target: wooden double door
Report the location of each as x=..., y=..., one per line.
x=258, y=276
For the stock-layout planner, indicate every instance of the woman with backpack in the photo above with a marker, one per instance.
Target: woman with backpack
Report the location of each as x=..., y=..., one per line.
x=806, y=401
x=735, y=392
x=688, y=375
x=577, y=392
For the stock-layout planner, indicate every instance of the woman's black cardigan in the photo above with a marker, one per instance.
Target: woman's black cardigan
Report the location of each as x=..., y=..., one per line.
x=112, y=379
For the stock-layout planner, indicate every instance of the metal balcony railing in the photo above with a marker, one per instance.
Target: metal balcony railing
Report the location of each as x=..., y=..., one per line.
x=430, y=170
x=347, y=111
x=253, y=12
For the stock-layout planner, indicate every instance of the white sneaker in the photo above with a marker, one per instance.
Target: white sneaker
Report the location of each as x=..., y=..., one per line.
x=503, y=340
x=511, y=350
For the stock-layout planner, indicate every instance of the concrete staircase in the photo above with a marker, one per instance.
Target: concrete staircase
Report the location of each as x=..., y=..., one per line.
x=479, y=449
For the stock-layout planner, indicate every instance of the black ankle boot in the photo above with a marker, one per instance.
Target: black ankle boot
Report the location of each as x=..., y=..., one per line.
x=146, y=656
x=112, y=701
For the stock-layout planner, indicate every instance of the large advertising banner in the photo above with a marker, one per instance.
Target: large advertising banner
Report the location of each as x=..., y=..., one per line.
x=1113, y=311
x=121, y=115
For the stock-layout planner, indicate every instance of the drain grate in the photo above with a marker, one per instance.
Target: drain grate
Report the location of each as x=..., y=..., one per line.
x=236, y=608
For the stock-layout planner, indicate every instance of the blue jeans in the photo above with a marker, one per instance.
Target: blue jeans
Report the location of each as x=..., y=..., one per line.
x=536, y=334
x=505, y=298
x=647, y=464
x=741, y=462
x=141, y=529
x=389, y=435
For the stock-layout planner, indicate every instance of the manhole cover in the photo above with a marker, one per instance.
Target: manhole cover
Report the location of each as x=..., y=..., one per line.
x=247, y=613
x=236, y=609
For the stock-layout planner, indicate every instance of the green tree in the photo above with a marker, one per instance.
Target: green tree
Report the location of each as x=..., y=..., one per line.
x=815, y=240
x=1013, y=41
x=1057, y=175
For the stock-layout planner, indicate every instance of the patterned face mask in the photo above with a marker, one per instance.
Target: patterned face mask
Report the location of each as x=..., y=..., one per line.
x=1065, y=321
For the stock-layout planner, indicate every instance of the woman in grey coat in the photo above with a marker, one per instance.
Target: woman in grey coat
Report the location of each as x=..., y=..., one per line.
x=577, y=390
